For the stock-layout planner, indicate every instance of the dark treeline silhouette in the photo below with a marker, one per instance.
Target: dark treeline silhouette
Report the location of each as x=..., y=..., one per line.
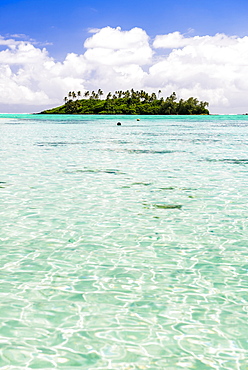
x=128, y=102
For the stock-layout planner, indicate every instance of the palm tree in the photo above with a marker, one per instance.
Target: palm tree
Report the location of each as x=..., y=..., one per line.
x=79, y=94
x=146, y=97
x=142, y=94
x=92, y=96
x=100, y=93
x=153, y=96
x=73, y=94
x=65, y=99
x=127, y=94
x=86, y=94
x=159, y=92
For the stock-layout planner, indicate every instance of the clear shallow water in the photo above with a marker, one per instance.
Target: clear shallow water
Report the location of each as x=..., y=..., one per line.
x=123, y=247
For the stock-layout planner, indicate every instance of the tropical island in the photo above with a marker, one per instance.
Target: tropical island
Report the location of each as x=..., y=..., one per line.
x=128, y=102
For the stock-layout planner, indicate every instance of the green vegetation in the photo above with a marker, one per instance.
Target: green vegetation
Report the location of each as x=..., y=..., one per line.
x=128, y=102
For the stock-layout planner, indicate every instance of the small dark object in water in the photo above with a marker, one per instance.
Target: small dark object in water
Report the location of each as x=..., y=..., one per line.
x=2, y=184
x=168, y=206
x=137, y=119
x=118, y=123
x=163, y=206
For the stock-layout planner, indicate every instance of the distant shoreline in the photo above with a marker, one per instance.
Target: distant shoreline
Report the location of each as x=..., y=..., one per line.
x=78, y=114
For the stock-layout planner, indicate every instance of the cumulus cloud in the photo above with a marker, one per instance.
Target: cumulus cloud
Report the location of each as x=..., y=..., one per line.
x=30, y=77
x=114, y=47
x=211, y=68
x=177, y=40
x=115, y=38
x=9, y=42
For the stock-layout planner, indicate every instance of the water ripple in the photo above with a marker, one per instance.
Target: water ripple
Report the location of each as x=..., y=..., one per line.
x=111, y=260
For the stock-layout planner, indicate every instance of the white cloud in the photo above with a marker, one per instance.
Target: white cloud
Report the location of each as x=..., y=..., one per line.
x=211, y=68
x=94, y=30
x=115, y=38
x=214, y=68
x=114, y=47
x=8, y=42
x=177, y=40
x=29, y=76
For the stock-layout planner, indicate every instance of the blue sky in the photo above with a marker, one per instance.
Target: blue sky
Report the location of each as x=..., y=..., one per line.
x=64, y=24
x=196, y=48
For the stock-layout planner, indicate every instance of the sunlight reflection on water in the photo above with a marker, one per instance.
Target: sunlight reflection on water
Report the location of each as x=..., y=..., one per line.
x=123, y=247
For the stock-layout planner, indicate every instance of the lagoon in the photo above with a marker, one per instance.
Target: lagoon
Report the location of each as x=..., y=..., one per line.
x=123, y=247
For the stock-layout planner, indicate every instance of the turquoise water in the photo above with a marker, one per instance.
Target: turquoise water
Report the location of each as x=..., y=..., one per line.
x=123, y=247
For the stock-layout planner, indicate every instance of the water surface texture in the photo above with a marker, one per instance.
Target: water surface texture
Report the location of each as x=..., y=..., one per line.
x=123, y=247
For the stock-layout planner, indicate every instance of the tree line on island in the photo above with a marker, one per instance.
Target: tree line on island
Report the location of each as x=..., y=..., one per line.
x=128, y=102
